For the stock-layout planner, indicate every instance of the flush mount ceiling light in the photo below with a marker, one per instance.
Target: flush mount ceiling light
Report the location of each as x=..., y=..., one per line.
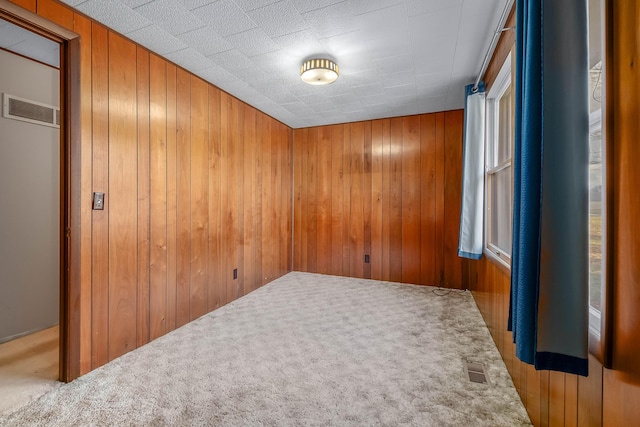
x=319, y=71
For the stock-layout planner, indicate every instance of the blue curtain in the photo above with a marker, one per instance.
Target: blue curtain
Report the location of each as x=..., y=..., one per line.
x=549, y=270
x=472, y=208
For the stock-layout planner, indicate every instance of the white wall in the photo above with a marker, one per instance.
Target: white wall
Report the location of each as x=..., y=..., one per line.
x=29, y=203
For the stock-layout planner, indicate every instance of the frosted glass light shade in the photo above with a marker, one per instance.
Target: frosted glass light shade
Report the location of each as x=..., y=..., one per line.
x=319, y=71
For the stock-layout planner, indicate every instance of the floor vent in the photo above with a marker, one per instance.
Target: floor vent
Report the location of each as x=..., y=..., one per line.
x=476, y=372
x=30, y=111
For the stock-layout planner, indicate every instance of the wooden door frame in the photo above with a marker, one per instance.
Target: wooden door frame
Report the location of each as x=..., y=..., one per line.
x=70, y=145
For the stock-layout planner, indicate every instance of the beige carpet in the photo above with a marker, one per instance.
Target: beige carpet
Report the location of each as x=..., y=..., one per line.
x=304, y=350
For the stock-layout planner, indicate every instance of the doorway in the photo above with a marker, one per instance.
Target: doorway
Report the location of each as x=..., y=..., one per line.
x=30, y=230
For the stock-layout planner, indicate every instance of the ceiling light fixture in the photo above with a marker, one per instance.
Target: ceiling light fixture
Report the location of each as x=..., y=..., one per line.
x=319, y=71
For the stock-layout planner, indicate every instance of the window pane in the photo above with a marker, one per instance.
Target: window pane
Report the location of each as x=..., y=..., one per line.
x=596, y=157
x=504, y=127
x=500, y=183
x=595, y=218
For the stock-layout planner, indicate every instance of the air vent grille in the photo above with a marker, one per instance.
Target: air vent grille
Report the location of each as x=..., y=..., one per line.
x=476, y=372
x=30, y=111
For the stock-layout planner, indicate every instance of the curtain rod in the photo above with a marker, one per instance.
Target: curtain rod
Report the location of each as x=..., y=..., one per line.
x=494, y=41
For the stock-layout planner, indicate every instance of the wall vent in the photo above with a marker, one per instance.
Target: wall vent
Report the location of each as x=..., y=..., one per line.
x=476, y=372
x=26, y=110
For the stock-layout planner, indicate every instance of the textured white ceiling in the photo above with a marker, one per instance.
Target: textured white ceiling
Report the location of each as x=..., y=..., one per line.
x=17, y=39
x=396, y=57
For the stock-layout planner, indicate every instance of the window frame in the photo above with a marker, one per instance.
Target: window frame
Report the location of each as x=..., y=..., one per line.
x=502, y=82
x=600, y=339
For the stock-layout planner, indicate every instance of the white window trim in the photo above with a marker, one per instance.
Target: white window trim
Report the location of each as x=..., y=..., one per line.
x=499, y=87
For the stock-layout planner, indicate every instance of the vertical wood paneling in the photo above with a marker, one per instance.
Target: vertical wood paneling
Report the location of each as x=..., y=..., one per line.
x=411, y=182
x=216, y=294
x=56, y=12
x=82, y=26
x=556, y=399
x=30, y=5
x=440, y=199
x=100, y=219
x=533, y=394
x=230, y=143
x=123, y=200
x=346, y=199
x=452, y=200
x=428, y=221
x=158, y=182
x=183, y=185
x=256, y=170
x=367, y=210
x=386, y=199
x=395, y=196
x=337, y=198
x=172, y=193
x=267, y=202
x=376, y=199
x=570, y=400
x=143, y=196
x=151, y=141
x=239, y=178
x=324, y=200
x=297, y=197
x=590, y=396
x=380, y=188
x=356, y=198
x=288, y=189
x=199, y=197
x=250, y=143
x=310, y=172
x=275, y=205
x=305, y=218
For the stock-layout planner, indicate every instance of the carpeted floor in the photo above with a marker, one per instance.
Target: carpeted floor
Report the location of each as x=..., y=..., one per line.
x=305, y=349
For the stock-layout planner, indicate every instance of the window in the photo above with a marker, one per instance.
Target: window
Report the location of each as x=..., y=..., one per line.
x=499, y=180
x=597, y=276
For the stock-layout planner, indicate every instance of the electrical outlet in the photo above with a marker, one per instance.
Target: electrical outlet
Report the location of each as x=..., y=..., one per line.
x=98, y=201
x=235, y=273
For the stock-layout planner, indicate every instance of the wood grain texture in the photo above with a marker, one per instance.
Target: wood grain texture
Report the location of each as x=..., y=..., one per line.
x=29, y=5
x=411, y=203
x=123, y=192
x=324, y=200
x=100, y=178
x=199, y=197
x=453, y=123
x=376, y=200
x=356, y=199
x=249, y=211
x=172, y=194
x=82, y=26
x=158, y=206
x=215, y=293
x=337, y=199
x=150, y=138
x=144, y=201
x=183, y=186
x=310, y=227
x=428, y=221
x=55, y=11
x=378, y=188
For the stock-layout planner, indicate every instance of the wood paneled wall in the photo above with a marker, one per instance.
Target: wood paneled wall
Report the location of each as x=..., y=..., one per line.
x=607, y=397
x=197, y=184
x=387, y=188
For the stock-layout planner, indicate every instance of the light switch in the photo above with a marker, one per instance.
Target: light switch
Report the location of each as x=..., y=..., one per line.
x=98, y=201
